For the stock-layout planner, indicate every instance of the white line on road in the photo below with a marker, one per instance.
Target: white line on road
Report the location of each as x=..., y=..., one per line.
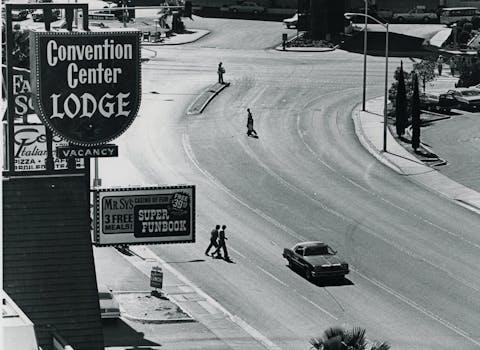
x=275, y=278
x=420, y=308
x=237, y=252
x=267, y=343
x=191, y=156
x=320, y=308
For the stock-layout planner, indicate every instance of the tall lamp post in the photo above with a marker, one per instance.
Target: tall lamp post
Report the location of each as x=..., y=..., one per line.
x=349, y=15
x=365, y=36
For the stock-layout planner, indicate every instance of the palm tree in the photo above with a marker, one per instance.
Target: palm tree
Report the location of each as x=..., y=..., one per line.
x=337, y=338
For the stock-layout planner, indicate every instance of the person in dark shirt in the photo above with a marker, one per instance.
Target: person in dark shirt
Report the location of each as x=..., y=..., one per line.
x=250, y=130
x=213, y=239
x=222, y=244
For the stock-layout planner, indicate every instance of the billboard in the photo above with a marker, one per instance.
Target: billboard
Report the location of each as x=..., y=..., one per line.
x=144, y=215
x=86, y=85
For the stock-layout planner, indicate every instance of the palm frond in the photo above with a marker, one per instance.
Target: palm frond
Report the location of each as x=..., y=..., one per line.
x=380, y=346
x=333, y=332
x=356, y=338
x=317, y=343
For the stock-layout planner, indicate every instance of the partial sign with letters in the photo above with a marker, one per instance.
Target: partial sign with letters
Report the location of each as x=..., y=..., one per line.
x=144, y=215
x=87, y=152
x=86, y=85
x=30, y=149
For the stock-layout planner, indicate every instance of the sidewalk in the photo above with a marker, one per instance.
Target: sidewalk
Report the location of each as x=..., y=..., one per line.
x=369, y=130
x=220, y=329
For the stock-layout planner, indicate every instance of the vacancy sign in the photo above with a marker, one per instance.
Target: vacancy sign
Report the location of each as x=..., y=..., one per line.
x=86, y=84
x=144, y=215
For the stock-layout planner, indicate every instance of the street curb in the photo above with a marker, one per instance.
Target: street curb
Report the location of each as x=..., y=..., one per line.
x=157, y=321
x=295, y=49
x=205, y=33
x=195, y=110
x=367, y=144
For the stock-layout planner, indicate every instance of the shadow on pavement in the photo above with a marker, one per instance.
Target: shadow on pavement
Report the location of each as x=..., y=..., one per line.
x=117, y=333
x=400, y=45
x=186, y=261
x=325, y=281
x=333, y=282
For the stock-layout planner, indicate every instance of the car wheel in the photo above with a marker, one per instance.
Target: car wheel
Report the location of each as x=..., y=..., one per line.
x=255, y=12
x=308, y=274
x=290, y=263
x=400, y=20
x=426, y=19
x=234, y=10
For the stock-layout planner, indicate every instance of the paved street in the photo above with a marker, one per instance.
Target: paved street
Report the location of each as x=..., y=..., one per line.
x=414, y=255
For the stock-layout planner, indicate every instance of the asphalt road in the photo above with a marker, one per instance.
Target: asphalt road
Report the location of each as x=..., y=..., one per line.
x=415, y=280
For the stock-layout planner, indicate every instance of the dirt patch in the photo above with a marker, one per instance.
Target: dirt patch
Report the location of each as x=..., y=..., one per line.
x=146, y=307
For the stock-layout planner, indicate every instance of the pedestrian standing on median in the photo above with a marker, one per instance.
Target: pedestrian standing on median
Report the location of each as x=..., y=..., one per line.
x=222, y=244
x=453, y=65
x=213, y=240
x=250, y=130
x=440, y=64
x=221, y=72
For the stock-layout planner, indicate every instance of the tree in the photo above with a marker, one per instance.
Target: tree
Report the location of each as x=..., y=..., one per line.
x=425, y=70
x=415, y=114
x=337, y=338
x=401, y=104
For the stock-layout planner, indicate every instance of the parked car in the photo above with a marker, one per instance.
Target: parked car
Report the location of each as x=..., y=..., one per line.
x=442, y=102
x=37, y=15
x=247, y=7
x=292, y=21
x=468, y=98
x=315, y=260
x=109, y=306
x=19, y=14
x=416, y=15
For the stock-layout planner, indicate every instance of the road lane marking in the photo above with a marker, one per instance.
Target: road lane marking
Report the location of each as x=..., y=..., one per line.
x=193, y=159
x=275, y=278
x=320, y=308
x=267, y=343
x=237, y=252
x=417, y=307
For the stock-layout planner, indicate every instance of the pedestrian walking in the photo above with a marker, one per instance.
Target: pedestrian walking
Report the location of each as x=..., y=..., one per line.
x=222, y=244
x=250, y=130
x=453, y=65
x=213, y=240
x=440, y=64
x=221, y=72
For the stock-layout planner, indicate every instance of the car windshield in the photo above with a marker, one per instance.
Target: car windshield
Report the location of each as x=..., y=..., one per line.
x=318, y=250
x=470, y=93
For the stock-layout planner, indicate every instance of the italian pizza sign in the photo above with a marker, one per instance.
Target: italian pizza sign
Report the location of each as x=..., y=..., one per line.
x=144, y=215
x=86, y=85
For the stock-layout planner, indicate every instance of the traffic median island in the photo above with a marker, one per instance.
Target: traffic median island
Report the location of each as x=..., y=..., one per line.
x=147, y=308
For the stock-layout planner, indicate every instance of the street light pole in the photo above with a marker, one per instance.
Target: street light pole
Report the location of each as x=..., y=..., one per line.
x=365, y=56
x=385, y=99
x=349, y=15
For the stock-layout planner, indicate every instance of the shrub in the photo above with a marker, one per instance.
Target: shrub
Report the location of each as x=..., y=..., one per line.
x=476, y=22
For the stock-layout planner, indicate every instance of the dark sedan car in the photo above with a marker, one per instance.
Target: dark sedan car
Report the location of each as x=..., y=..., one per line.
x=468, y=98
x=316, y=260
x=442, y=102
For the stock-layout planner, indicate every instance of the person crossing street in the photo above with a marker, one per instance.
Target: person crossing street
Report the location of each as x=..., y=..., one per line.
x=222, y=244
x=213, y=240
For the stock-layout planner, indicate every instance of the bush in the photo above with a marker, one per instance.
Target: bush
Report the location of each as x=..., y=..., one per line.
x=467, y=27
x=464, y=37
x=476, y=22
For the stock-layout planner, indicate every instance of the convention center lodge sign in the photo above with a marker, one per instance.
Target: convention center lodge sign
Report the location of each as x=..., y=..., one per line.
x=86, y=85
